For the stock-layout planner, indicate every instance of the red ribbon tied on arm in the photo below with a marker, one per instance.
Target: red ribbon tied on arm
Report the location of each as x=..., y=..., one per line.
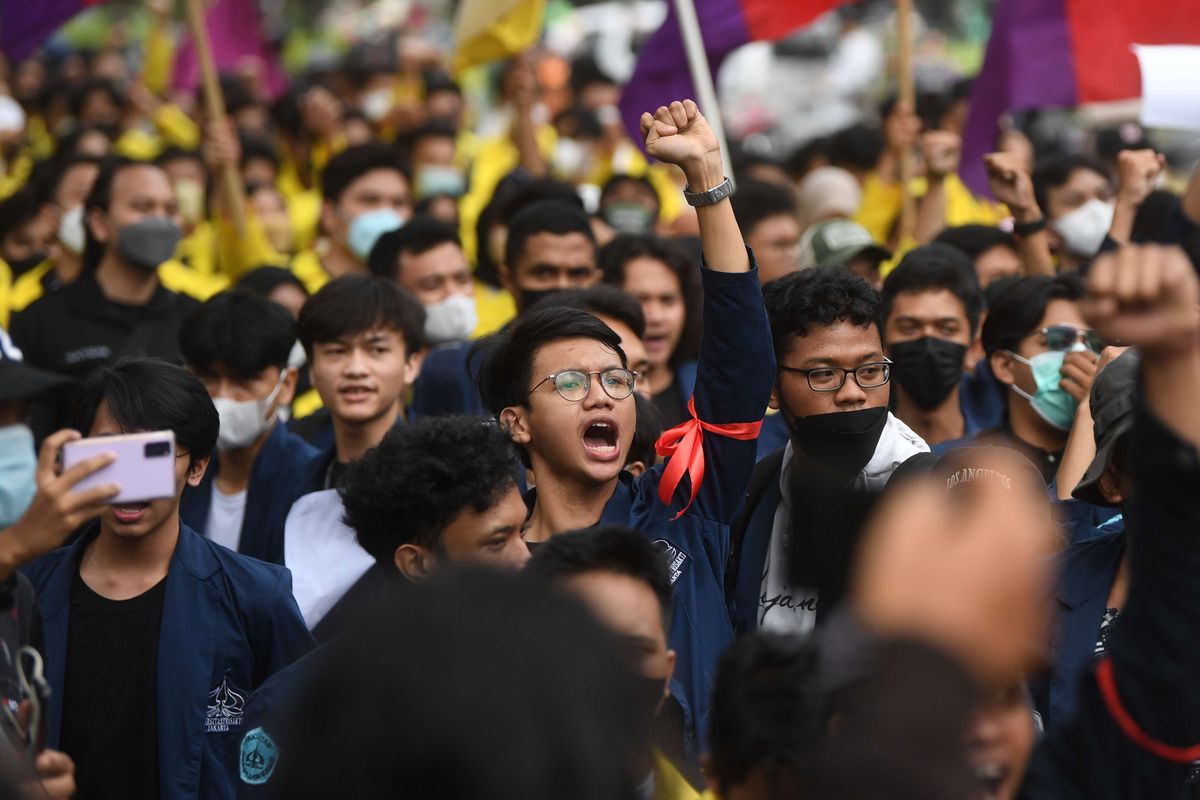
x=684, y=446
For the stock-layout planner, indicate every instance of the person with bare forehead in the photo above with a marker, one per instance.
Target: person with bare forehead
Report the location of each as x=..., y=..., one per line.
x=560, y=383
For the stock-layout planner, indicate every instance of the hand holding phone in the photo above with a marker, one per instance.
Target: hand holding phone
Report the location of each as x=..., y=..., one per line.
x=144, y=467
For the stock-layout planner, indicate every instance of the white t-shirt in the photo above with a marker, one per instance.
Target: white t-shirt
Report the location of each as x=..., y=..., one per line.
x=793, y=609
x=225, y=517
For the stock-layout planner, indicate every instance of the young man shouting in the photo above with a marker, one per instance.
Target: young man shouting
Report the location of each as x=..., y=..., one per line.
x=559, y=382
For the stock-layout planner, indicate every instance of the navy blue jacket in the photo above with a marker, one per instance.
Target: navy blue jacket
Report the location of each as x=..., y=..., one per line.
x=733, y=384
x=1153, y=648
x=1086, y=574
x=284, y=469
x=445, y=385
x=226, y=619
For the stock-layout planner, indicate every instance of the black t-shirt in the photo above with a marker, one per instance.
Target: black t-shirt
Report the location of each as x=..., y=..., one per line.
x=671, y=405
x=110, y=711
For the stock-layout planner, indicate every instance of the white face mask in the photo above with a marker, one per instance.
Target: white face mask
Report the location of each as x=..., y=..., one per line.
x=452, y=320
x=70, y=230
x=243, y=421
x=1084, y=229
x=376, y=104
x=18, y=472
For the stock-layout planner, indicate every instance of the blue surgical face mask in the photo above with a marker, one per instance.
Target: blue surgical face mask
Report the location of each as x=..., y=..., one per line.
x=18, y=473
x=1050, y=401
x=366, y=228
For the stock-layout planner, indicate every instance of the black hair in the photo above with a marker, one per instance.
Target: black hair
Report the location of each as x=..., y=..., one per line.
x=507, y=690
x=1110, y=141
x=603, y=301
x=1019, y=309
x=421, y=477
x=544, y=216
x=100, y=198
x=420, y=235
x=513, y=193
x=800, y=161
x=146, y=394
x=173, y=153
x=936, y=266
x=240, y=331
x=353, y=304
x=614, y=257
x=80, y=95
x=235, y=93
x=756, y=201
x=767, y=710
x=354, y=162
x=257, y=149
x=264, y=280
x=437, y=80
x=975, y=240
x=646, y=434
x=58, y=170
x=17, y=210
x=819, y=296
x=857, y=147
x=617, y=181
x=610, y=548
x=505, y=359
x=1055, y=172
x=435, y=129
x=585, y=72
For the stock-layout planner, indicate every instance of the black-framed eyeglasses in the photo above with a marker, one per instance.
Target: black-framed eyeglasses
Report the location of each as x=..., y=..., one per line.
x=1064, y=337
x=573, y=385
x=830, y=379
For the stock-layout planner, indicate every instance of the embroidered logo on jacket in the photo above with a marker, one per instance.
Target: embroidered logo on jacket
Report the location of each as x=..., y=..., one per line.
x=674, y=558
x=225, y=708
x=258, y=757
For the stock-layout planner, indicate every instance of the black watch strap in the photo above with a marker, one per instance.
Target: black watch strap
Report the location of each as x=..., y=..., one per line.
x=1029, y=228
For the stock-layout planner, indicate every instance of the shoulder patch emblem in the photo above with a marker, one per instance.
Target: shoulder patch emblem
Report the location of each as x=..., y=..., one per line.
x=258, y=757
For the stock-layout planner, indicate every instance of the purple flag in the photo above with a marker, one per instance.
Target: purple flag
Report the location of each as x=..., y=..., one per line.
x=25, y=24
x=1027, y=64
x=662, y=75
x=235, y=34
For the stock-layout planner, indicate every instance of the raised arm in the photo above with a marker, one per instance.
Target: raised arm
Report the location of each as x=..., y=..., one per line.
x=737, y=363
x=679, y=134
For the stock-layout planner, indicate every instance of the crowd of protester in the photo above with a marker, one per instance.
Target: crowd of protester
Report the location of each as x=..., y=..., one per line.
x=518, y=459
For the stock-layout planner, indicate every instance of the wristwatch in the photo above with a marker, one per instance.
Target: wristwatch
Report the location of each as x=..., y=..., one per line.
x=711, y=197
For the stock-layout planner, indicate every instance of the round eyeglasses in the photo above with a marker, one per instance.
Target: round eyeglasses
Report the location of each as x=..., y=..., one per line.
x=830, y=379
x=573, y=384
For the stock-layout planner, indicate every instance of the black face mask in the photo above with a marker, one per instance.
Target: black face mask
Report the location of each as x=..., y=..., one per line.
x=530, y=297
x=20, y=267
x=928, y=369
x=842, y=442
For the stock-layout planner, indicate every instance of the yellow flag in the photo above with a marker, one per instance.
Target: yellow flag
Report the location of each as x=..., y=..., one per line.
x=487, y=30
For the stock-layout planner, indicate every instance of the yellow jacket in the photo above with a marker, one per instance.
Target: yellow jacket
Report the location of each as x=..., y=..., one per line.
x=171, y=127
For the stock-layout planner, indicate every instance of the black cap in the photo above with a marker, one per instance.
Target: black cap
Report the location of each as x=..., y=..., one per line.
x=1111, y=401
x=19, y=381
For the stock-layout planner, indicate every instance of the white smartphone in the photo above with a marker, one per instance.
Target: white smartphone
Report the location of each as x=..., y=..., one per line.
x=144, y=469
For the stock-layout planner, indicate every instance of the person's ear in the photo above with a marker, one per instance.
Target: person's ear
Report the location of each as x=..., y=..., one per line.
x=412, y=367
x=672, y=659
x=329, y=218
x=98, y=224
x=515, y=420
x=774, y=401
x=1002, y=367
x=1110, y=485
x=197, y=469
x=505, y=276
x=414, y=562
x=287, y=390
x=636, y=468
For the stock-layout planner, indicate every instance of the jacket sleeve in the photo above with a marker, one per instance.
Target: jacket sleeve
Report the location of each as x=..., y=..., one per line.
x=1154, y=652
x=283, y=637
x=734, y=375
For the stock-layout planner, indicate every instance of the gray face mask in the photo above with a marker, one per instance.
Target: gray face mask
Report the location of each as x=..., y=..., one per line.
x=148, y=243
